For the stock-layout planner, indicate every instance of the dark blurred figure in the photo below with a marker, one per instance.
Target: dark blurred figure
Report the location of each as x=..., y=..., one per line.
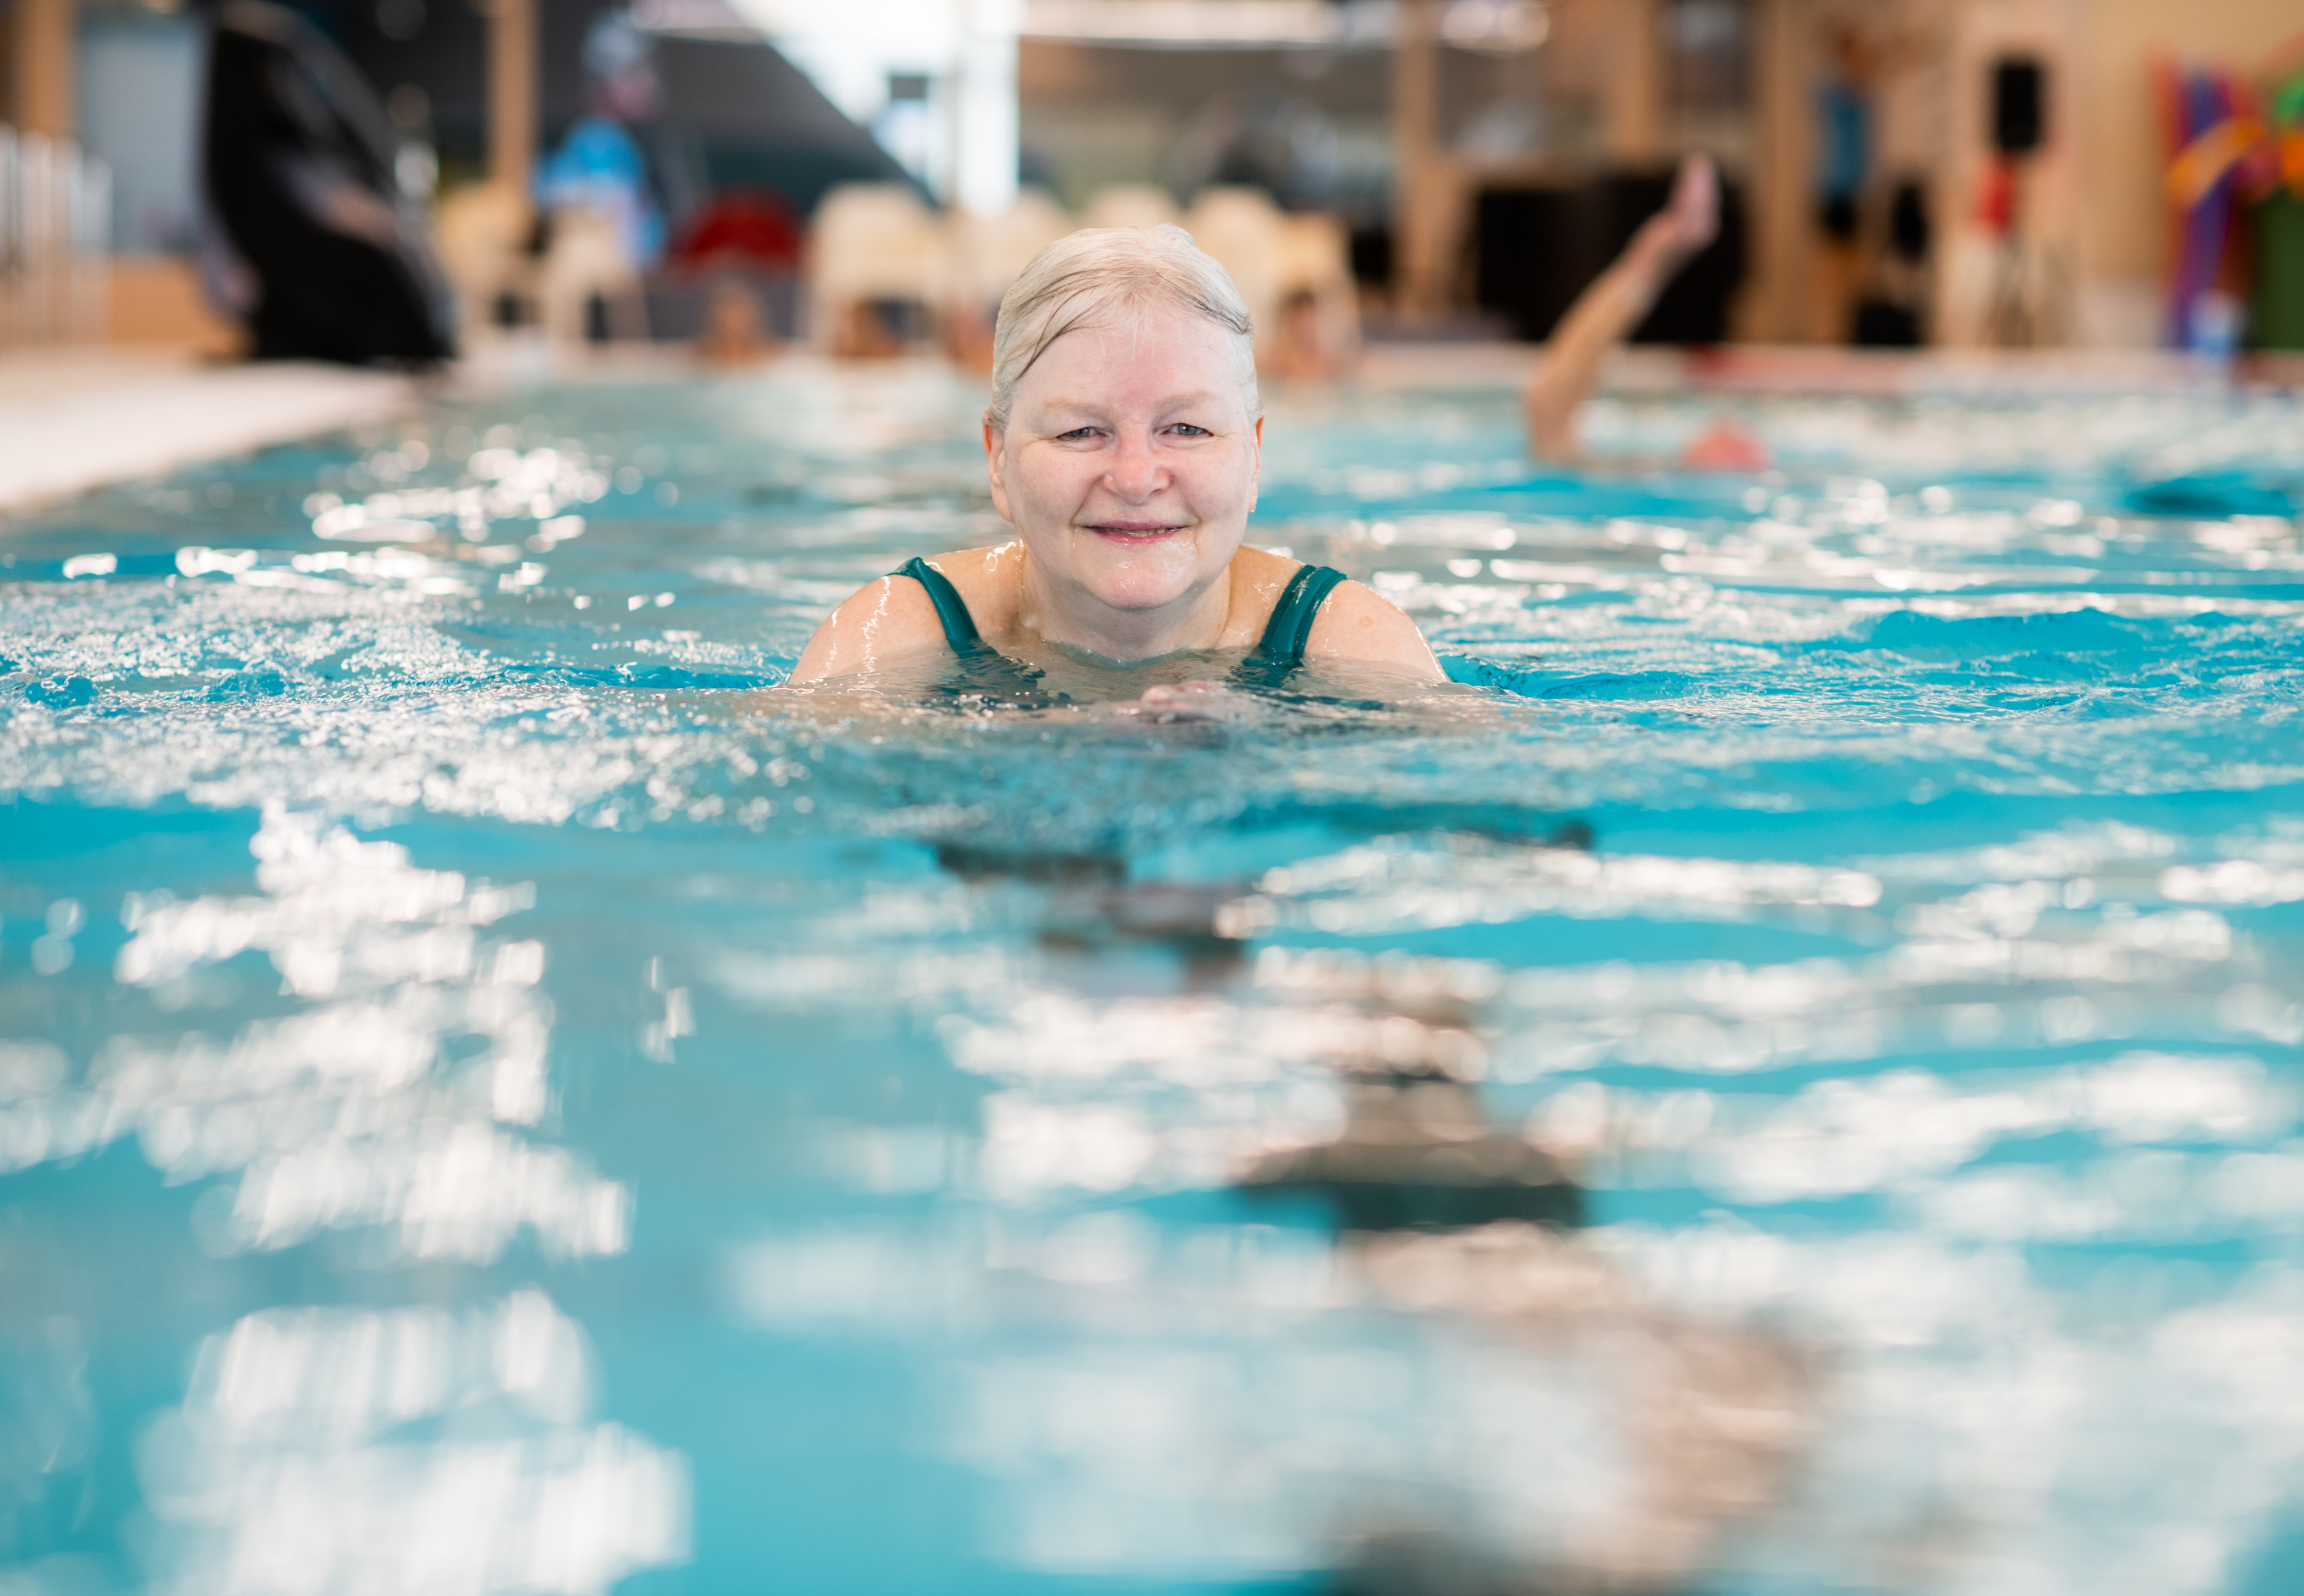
x=301, y=168
x=1417, y=1155
x=1890, y=315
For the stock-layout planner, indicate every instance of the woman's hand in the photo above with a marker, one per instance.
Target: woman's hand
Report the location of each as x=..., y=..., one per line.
x=1191, y=701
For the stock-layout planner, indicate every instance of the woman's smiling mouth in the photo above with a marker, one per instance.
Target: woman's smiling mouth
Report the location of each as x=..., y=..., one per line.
x=1134, y=531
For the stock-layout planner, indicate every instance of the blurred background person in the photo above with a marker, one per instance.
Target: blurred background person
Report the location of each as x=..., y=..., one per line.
x=1298, y=353
x=1608, y=311
x=1844, y=117
x=732, y=332
x=603, y=225
x=742, y=247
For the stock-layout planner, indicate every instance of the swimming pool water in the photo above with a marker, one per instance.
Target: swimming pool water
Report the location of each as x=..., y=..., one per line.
x=1785, y=1080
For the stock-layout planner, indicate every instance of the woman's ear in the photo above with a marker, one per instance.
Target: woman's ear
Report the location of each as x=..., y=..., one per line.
x=992, y=451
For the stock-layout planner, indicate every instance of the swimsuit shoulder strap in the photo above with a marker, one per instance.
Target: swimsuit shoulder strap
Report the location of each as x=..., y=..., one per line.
x=1282, y=646
x=951, y=609
x=985, y=669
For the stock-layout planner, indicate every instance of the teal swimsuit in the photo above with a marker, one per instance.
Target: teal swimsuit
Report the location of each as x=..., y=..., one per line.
x=1280, y=651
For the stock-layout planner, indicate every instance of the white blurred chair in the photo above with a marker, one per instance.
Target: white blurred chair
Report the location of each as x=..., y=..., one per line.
x=871, y=242
x=586, y=261
x=1295, y=274
x=1130, y=205
x=986, y=254
x=482, y=233
x=983, y=255
x=1246, y=234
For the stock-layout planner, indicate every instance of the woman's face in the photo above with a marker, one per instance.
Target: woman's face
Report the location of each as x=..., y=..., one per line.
x=1128, y=465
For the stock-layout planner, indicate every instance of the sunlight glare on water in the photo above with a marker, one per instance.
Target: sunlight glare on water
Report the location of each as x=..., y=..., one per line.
x=1783, y=1076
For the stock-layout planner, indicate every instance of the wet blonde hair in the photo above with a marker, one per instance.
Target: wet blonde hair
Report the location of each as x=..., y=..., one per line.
x=1085, y=278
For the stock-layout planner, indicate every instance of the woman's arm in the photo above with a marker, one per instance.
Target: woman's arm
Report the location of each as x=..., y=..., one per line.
x=1612, y=305
x=1358, y=627
x=880, y=624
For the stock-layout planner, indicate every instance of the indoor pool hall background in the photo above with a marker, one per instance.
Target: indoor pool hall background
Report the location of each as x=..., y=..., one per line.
x=1783, y=1080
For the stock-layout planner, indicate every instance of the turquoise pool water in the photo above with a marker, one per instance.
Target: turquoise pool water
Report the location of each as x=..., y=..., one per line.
x=1785, y=1081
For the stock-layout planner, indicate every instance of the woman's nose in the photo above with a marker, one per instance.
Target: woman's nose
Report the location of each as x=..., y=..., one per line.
x=1136, y=471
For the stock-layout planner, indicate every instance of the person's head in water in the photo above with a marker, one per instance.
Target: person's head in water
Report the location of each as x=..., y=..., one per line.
x=1122, y=442
x=1125, y=432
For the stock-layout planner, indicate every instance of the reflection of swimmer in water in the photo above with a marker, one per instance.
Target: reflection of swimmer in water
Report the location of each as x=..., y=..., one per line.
x=1124, y=441
x=1695, y=1423
x=1443, y=1216
x=1416, y=1154
x=1610, y=308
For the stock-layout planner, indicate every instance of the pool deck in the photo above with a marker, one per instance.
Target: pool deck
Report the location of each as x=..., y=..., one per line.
x=74, y=419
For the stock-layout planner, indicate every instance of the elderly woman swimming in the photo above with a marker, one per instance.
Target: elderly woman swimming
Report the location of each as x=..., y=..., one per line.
x=1124, y=441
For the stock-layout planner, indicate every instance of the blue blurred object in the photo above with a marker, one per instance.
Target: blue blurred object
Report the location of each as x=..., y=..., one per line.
x=599, y=168
x=2212, y=495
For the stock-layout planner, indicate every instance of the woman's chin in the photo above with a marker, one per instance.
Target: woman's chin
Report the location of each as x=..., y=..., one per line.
x=1136, y=591
x=1145, y=573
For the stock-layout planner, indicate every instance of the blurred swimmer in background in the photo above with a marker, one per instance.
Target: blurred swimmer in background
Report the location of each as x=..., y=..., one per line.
x=1604, y=315
x=1124, y=441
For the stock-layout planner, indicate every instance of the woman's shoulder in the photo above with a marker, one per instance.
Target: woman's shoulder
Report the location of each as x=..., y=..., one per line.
x=986, y=579
x=1360, y=626
x=1355, y=625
